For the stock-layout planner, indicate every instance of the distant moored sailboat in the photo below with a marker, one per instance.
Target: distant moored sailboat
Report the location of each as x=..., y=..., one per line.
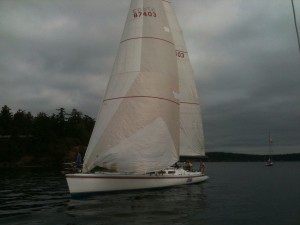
x=269, y=161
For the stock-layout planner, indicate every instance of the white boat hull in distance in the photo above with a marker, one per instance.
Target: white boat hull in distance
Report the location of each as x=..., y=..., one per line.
x=83, y=184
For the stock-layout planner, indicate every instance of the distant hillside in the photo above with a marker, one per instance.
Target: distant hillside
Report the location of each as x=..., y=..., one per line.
x=236, y=157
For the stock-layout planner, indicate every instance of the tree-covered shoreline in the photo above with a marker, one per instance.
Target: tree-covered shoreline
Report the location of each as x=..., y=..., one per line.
x=42, y=140
x=50, y=140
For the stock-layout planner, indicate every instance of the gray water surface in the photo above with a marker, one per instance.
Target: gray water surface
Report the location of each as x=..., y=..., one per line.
x=236, y=193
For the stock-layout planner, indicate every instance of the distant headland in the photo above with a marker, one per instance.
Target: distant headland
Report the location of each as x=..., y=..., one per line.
x=237, y=157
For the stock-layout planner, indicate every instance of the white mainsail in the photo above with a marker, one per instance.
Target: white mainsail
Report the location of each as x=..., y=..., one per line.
x=137, y=128
x=191, y=130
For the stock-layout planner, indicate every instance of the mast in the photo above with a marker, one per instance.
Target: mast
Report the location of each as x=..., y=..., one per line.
x=270, y=146
x=137, y=128
x=296, y=26
x=191, y=129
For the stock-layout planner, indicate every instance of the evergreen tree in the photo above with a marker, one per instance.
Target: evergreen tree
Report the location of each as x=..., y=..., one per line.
x=22, y=123
x=60, y=122
x=89, y=124
x=43, y=128
x=6, y=119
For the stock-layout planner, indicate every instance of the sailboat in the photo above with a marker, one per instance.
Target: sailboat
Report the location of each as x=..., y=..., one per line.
x=150, y=115
x=269, y=161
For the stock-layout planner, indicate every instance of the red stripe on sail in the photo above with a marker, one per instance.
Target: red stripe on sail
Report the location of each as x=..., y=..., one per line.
x=148, y=38
x=190, y=103
x=153, y=97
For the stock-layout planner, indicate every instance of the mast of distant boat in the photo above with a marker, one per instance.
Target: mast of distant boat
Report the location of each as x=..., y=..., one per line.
x=269, y=161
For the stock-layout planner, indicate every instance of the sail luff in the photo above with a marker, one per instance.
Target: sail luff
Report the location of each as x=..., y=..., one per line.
x=191, y=130
x=137, y=129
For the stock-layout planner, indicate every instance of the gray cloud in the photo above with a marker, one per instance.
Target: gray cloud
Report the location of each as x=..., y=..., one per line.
x=59, y=53
x=248, y=72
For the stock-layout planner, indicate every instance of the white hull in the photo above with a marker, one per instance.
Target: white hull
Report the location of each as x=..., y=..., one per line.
x=80, y=184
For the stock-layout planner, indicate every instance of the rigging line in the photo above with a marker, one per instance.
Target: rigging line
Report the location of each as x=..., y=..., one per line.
x=296, y=24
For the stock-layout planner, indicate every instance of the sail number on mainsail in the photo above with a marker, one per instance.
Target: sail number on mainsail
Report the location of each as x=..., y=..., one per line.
x=180, y=54
x=144, y=12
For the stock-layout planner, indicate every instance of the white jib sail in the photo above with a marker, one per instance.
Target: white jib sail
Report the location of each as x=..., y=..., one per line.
x=137, y=128
x=191, y=130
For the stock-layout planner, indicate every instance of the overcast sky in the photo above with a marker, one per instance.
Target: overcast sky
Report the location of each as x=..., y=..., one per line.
x=59, y=53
